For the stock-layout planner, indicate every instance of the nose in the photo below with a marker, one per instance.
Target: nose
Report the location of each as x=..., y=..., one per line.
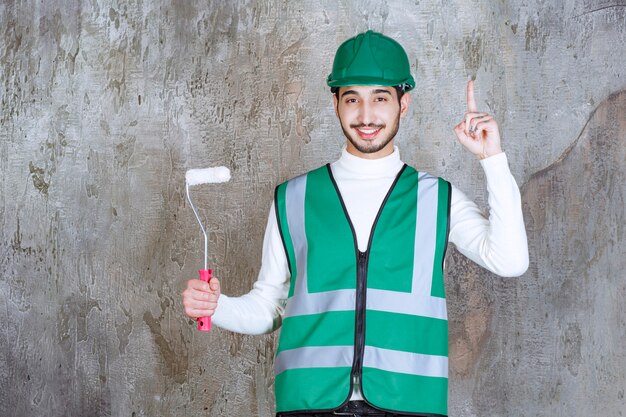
x=366, y=114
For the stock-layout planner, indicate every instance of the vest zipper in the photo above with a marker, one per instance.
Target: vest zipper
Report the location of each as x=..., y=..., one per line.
x=359, y=334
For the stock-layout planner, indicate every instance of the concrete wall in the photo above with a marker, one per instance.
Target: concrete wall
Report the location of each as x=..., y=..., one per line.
x=105, y=105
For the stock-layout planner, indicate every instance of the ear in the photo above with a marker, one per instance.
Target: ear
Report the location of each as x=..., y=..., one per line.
x=335, y=104
x=404, y=103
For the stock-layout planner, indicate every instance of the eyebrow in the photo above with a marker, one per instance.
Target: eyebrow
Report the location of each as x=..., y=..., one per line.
x=377, y=91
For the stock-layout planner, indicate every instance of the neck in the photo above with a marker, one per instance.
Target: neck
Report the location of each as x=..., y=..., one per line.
x=353, y=165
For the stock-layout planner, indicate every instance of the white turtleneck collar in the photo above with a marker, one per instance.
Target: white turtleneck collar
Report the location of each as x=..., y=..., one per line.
x=351, y=165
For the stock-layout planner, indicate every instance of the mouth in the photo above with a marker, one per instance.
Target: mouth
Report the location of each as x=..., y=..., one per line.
x=367, y=132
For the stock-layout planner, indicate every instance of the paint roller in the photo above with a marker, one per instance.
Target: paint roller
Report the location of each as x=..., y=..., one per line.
x=197, y=177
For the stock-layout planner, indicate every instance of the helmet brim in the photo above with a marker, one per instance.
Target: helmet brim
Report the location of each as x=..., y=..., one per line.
x=408, y=84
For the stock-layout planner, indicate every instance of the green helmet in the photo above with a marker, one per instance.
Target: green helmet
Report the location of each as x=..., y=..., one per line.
x=371, y=58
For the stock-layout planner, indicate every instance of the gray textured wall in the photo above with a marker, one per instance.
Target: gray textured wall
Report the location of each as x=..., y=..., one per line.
x=105, y=105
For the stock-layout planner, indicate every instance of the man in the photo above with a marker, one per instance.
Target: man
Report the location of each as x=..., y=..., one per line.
x=353, y=254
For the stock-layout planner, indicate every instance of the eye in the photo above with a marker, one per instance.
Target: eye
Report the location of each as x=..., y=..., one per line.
x=351, y=100
x=380, y=99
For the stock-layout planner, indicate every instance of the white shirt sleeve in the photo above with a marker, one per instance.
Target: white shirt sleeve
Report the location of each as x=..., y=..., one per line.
x=260, y=311
x=497, y=243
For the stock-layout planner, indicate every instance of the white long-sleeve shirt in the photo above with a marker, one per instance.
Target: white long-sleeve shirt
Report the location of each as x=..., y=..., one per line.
x=497, y=243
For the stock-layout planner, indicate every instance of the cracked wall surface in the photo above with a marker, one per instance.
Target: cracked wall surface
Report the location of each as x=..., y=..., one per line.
x=105, y=105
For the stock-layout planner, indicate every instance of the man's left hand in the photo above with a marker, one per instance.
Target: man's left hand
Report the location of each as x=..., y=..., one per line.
x=478, y=132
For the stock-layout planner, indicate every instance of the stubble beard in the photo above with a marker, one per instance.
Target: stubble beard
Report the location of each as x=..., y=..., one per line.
x=367, y=147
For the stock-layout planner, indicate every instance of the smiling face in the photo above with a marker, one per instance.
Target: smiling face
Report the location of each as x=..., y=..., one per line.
x=370, y=118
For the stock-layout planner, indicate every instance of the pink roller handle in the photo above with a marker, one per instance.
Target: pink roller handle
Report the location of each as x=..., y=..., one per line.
x=204, y=323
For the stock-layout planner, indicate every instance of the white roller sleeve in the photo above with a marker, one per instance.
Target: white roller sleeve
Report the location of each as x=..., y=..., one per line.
x=207, y=175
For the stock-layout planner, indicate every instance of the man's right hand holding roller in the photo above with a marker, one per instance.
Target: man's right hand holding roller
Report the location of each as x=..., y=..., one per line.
x=200, y=298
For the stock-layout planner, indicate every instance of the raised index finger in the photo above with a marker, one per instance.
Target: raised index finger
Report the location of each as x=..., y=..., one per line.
x=471, y=101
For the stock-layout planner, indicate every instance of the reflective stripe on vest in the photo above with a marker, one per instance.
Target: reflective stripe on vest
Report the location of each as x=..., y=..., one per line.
x=403, y=357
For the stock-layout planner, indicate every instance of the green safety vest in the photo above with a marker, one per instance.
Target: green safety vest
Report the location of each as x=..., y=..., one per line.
x=378, y=316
